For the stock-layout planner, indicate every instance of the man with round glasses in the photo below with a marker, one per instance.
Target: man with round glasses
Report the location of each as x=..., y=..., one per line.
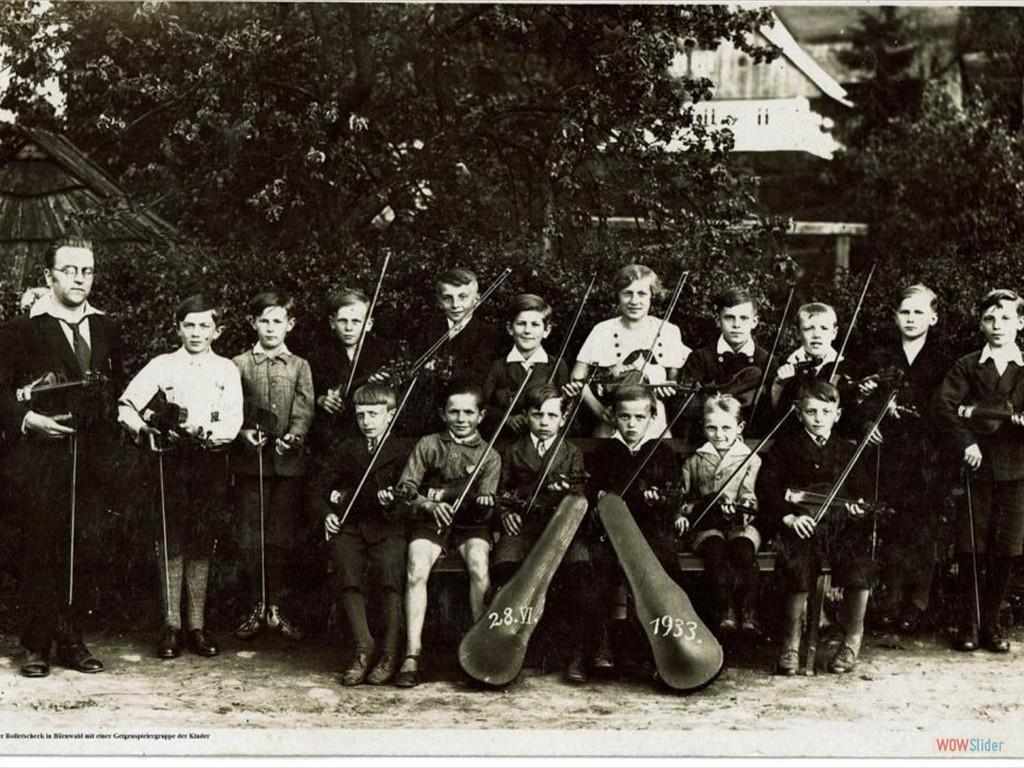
x=60, y=369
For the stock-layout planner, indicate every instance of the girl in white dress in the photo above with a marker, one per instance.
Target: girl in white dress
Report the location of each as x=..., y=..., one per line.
x=627, y=341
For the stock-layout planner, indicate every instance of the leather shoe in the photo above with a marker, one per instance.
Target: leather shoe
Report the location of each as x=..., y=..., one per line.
x=728, y=623
x=788, y=663
x=966, y=639
x=35, y=665
x=357, y=670
x=993, y=641
x=78, y=658
x=576, y=669
x=169, y=646
x=384, y=669
x=202, y=643
x=911, y=620
x=750, y=627
x=409, y=678
x=843, y=660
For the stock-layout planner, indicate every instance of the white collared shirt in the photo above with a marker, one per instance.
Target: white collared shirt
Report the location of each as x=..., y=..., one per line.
x=648, y=436
x=816, y=439
x=280, y=351
x=747, y=349
x=539, y=355
x=206, y=385
x=912, y=348
x=47, y=306
x=454, y=329
x=801, y=355
x=1002, y=357
x=537, y=442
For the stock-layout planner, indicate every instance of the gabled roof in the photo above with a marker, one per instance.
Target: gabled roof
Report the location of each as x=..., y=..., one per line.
x=49, y=188
x=780, y=36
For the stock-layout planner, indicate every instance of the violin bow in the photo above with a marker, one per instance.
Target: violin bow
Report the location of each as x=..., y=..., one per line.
x=771, y=354
x=572, y=329
x=433, y=348
x=376, y=452
x=658, y=441
x=676, y=293
x=834, y=491
x=366, y=322
x=559, y=441
x=490, y=444
x=853, y=321
x=747, y=459
x=974, y=551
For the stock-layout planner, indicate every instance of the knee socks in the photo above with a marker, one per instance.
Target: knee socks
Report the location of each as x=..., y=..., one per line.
x=197, y=574
x=172, y=610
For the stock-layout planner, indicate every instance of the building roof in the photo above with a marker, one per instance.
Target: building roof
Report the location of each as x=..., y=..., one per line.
x=49, y=189
x=779, y=36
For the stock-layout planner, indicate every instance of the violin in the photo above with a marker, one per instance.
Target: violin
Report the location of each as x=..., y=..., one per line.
x=513, y=502
x=400, y=371
x=169, y=419
x=743, y=386
x=338, y=497
x=986, y=417
x=260, y=419
x=810, y=500
x=54, y=393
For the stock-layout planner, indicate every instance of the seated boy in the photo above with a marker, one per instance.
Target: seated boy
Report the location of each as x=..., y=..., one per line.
x=371, y=540
x=611, y=465
x=811, y=456
x=332, y=368
x=530, y=324
x=208, y=390
x=278, y=383
x=522, y=465
x=436, y=475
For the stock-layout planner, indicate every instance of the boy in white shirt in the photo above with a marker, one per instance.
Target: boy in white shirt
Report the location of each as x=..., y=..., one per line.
x=207, y=389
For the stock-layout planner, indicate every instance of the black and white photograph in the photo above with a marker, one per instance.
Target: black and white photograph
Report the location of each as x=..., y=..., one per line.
x=482, y=381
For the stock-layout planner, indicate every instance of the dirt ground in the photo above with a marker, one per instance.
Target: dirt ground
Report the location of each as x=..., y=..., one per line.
x=276, y=697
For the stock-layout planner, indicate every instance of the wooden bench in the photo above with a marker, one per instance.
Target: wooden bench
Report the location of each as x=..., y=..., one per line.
x=690, y=563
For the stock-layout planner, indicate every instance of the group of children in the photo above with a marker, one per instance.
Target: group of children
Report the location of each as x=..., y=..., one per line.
x=390, y=510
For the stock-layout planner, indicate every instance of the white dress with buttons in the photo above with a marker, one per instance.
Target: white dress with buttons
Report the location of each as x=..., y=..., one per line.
x=610, y=342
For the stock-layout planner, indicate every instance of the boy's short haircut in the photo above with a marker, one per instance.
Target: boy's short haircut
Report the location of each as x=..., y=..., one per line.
x=817, y=389
x=721, y=402
x=198, y=302
x=461, y=385
x=632, y=393
x=267, y=299
x=348, y=297
x=373, y=393
x=814, y=309
x=630, y=273
x=50, y=256
x=998, y=296
x=733, y=297
x=536, y=396
x=530, y=302
x=919, y=289
x=456, y=276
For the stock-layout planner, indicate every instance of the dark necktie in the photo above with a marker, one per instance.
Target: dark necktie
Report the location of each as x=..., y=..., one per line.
x=82, y=350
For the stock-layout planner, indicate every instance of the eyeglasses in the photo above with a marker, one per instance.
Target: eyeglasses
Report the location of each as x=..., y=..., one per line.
x=71, y=272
